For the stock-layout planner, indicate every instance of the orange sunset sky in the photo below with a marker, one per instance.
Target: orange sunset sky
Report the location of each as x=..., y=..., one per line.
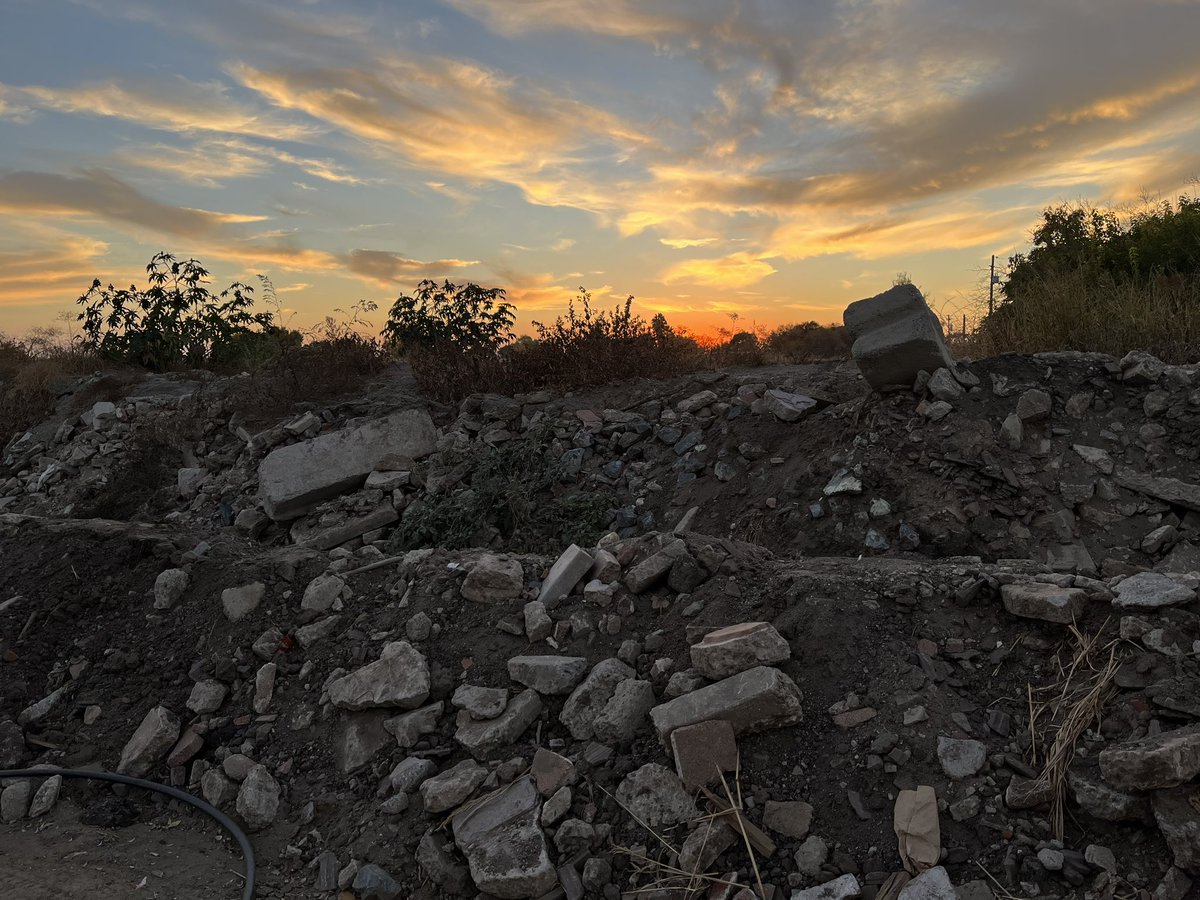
x=773, y=159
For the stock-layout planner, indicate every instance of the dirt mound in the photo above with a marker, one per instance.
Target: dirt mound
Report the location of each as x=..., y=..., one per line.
x=987, y=586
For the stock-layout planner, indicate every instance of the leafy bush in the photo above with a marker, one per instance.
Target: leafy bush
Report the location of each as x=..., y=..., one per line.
x=467, y=317
x=1095, y=281
x=177, y=322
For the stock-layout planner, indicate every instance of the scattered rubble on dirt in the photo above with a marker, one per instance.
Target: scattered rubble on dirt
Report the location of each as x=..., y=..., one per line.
x=745, y=634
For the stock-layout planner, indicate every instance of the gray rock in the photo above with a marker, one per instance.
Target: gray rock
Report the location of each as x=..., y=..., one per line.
x=1012, y=432
x=551, y=675
x=1100, y=801
x=787, y=407
x=656, y=796
x=206, y=697
x=696, y=401
x=1033, y=406
x=14, y=801
x=1045, y=602
x=188, y=481
x=373, y=883
x=1051, y=859
x=1179, y=821
x=218, y=788
x=437, y=861
x=152, y=740
x=264, y=687
x=45, y=797
x=844, y=887
x=408, y=728
x=504, y=846
x=1169, y=490
x=321, y=593
x=400, y=677
x=551, y=771
x=843, y=482
x=360, y=739
x=538, y=624
x=705, y=845
x=556, y=806
x=754, y=700
x=961, y=758
x=810, y=856
x=448, y=789
x=410, y=773
x=626, y=712
x=932, y=884
x=1100, y=857
x=649, y=572
x=1164, y=760
x=1151, y=590
x=571, y=566
x=239, y=602
x=591, y=696
x=944, y=386
x=481, y=702
x=419, y=627
x=310, y=635
x=791, y=818
x=295, y=478
x=736, y=648
x=169, y=586
x=258, y=798
x=484, y=738
x=494, y=580
x=12, y=744
x=895, y=336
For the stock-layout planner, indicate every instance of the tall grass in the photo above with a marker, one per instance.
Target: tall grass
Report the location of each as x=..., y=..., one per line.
x=29, y=370
x=1080, y=309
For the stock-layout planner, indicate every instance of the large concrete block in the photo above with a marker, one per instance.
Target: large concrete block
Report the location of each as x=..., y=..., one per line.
x=895, y=336
x=295, y=478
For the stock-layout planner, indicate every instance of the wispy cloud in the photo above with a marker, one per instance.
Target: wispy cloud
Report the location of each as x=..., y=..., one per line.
x=386, y=268
x=734, y=271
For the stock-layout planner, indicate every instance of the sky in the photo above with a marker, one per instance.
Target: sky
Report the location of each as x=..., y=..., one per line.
x=769, y=159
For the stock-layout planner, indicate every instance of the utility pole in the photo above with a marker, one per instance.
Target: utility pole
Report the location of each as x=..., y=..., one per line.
x=992, y=285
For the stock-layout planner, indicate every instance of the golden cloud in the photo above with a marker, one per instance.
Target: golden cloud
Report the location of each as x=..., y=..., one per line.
x=737, y=270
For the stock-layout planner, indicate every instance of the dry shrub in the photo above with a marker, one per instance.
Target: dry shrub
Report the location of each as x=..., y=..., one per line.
x=29, y=369
x=584, y=348
x=317, y=371
x=807, y=342
x=1077, y=309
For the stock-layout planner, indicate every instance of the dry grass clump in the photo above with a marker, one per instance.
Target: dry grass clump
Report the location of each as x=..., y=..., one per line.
x=1077, y=309
x=29, y=368
x=1060, y=712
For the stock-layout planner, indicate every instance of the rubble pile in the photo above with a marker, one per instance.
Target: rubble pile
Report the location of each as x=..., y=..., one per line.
x=942, y=641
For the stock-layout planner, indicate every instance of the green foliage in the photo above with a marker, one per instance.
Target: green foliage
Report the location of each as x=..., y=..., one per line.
x=1095, y=281
x=467, y=317
x=513, y=488
x=176, y=322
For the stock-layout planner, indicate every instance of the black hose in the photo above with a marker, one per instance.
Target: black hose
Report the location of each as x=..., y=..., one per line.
x=223, y=820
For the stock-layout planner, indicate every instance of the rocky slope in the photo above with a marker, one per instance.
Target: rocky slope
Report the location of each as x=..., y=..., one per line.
x=540, y=645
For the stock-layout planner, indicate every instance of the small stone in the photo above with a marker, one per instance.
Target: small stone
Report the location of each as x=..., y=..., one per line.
x=400, y=677
x=410, y=773
x=961, y=758
x=321, y=593
x=239, y=602
x=656, y=796
x=152, y=740
x=480, y=702
x=419, y=627
x=703, y=751
x=1100, y=857
x=932, y=884
x=14, y=801
x=494, y=580
x=448, y=789
x=169, y=586
x=1051, y=859
x=626, y=713
x=551, y=771
x=1151, y=590
x=791, y=818
x=811, y=856
x=206, y=697
x=258, y=798
x=1045, y=602
x=45, y=797
x=373, y=883
x=552, y=675
x=736, y=648
x=1033, y=406
x=1163, y=760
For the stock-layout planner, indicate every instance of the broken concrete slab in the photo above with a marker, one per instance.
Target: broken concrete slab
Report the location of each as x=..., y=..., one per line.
x=482, y=738
x=591, y=696
x=152, y=740
x=571, y=566
x=494, y=579
x=295, y=478
x=400, y=677
x=551, y=675
x=895, y=336
x=1045, y=602
x=656, y=796
x=736, y=648
x=753, y=700
x=1151, y=590
x=703, y=752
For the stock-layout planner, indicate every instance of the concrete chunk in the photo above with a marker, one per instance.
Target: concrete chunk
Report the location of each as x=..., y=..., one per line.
x=295, y=478
x=400, y=677
x=150, y=742
x=1045, y=602
x=754, y=700
x=895, y=336
x=734, y=649
x=1161, y=761
x=565, y=574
